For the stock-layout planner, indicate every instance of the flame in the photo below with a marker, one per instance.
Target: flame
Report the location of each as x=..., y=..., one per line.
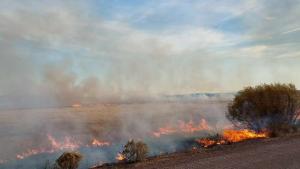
x=183, y=127
x=190, y=127
x=232, y=136
x=67, y=143
x=76, y=105
x=120, y=157
x=240, y=135
x=31, y=152
x=206, y=142
x=164, y=131
x=98, y=143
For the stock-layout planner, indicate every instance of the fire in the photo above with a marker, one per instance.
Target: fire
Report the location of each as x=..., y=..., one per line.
x=120, y=157
x=190, y=127
x=240, y=135
x=76, y=105
x=164, y=131
x=206, y=142
x=98, y=143
x=31, y=152
x=183, y=127
x=67, y=143
x=232, y=136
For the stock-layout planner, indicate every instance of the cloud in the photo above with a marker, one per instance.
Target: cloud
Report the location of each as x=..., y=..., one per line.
x=60, y=50
x=292, y=30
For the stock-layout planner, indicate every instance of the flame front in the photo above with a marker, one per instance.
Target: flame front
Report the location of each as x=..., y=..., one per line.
x=232, y=136
x=98, y=143
x=164, y=131
x=183, y=127
x=190, y=127
x=54, y=146
x=240, y=135
x=67, y=144
x=206, y=142
x=120, y=157
x=76, y=105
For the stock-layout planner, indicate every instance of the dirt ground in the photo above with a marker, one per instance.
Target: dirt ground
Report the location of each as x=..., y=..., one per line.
x=273, y=153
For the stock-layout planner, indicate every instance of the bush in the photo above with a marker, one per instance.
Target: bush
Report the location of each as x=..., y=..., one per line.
x=135, y=151
x=68, y=160
x=272, y=107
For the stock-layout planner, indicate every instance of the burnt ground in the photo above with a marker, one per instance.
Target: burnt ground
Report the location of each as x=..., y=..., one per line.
x=271, y=153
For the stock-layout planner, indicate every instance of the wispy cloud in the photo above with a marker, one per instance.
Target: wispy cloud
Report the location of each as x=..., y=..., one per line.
x=145, y=48
x=292, y=30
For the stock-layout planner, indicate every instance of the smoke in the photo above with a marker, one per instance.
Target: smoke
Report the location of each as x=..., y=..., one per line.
x=114, y=123
x=57, y=53
x=66, y=89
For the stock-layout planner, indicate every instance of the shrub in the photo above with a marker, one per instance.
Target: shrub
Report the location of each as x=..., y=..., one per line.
x=135, y=151
x=272, y=107
x=68, y=160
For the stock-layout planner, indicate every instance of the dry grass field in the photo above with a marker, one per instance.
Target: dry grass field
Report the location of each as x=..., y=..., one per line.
x=25, y=129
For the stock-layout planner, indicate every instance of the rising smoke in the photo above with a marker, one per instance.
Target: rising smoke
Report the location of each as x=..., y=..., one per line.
x=56, y=54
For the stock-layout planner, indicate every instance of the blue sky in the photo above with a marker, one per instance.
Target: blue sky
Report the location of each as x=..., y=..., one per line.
x=122, y=48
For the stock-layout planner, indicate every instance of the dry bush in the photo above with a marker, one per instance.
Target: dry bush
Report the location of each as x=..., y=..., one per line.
x=68, y=160
x=272, y=107
x=135, y=151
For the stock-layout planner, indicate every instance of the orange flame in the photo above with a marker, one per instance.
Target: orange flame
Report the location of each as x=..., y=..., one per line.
x=190, y=127
x=120, y=157
x=183, y=127
x=240, y=135
x=232, y=136
x=67, y=144
x=76, y=105
x=98, y=143
x=164, y=131
x=54, y=145
x=206, y=142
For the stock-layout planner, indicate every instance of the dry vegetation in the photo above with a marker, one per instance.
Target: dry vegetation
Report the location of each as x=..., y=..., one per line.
x=104, y=121
x=274, y=108
x=134, y=151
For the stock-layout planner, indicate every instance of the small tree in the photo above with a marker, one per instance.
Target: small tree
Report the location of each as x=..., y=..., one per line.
x=135, y=151
x=271, y=107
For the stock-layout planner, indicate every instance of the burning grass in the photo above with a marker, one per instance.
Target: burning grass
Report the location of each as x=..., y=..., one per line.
x=68, y=143
x=231, y=136
x=183, y=127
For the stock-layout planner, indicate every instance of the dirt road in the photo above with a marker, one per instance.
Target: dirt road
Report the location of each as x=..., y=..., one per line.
x=277, y=153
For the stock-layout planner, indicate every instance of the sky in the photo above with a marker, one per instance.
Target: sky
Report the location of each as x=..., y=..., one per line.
x=67, y=51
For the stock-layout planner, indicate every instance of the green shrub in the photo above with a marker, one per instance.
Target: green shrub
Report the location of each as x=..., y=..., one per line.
x=272, y=107
x=135, y=151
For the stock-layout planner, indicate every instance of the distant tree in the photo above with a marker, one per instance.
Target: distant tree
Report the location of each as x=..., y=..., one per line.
x=135, y=151
x=272, y=107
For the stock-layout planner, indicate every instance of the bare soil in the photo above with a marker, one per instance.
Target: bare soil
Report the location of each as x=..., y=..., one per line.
x=271, y=153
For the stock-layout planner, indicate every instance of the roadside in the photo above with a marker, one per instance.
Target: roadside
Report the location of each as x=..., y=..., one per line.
x=272, y=153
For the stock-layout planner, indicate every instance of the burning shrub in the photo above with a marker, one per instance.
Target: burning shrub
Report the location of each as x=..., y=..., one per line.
x=134, y=151
x=272, y=107
x=68, y=160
